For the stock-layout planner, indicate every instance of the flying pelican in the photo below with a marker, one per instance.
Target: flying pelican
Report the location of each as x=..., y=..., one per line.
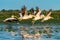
x=47, y=17
x=24, y=15
x=38, y=15
x=12, y=18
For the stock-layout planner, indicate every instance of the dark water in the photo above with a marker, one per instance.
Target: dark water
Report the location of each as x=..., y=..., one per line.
x=4, y=35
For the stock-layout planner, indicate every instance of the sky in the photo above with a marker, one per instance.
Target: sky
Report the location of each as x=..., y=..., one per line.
x=42, y=4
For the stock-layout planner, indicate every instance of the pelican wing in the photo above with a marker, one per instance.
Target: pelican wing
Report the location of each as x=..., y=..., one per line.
x=25, y=13
x=20, y=14
x=49, y=14
x=38, y=13
x=47, y=18
x=9, y=19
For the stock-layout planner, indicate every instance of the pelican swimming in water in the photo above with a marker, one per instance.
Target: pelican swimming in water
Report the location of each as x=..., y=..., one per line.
x=12, y=18
x=47, y=17
x=38, y=15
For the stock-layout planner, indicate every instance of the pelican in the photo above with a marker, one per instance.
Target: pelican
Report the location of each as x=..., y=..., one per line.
x=24, y=15
x=38, y=15
x=47, y=17
x=12, y=18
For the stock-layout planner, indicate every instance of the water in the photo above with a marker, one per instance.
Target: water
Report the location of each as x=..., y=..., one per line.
x=4, y=35
x=7, y=36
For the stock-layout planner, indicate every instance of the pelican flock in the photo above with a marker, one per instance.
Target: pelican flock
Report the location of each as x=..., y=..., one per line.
x=36, y=15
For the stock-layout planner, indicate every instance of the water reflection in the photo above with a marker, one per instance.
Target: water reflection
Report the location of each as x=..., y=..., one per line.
x=6, y=28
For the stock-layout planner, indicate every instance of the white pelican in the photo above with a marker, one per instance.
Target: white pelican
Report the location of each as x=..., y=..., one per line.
x=38, y=16
x=12, y=18
x=47, y=17
x=25, y=16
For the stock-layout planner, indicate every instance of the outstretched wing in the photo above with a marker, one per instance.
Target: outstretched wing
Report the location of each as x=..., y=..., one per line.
x=49, y=14
x=20, y=14
x=38, y=13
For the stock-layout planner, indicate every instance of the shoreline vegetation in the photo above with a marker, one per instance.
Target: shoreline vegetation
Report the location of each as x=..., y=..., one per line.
x=7, y=13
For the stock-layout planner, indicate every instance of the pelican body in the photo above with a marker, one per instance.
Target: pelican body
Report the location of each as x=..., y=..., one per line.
x=38, y=14
x=47, y=17
x=10, y=19
x=25, y=16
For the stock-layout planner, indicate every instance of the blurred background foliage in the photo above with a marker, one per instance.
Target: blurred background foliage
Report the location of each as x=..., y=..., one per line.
x=7, y=13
